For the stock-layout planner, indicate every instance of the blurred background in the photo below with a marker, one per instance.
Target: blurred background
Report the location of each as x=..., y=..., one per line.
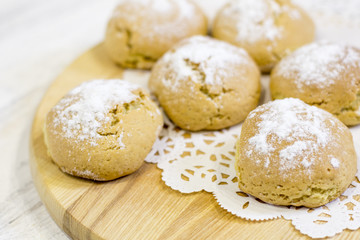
x=38, y=39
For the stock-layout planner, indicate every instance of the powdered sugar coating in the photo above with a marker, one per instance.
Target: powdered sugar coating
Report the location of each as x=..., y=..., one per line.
x=300, y=127
x=139, y=13
x=256, y=19
x=84, y=109
x=334, y=162
x=79, y=172
x=318, y=64
x=160, y=6
x=121, y=144
x=210, y=56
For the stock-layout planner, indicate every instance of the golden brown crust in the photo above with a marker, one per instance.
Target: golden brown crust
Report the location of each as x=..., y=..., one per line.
x=140, y=31
x=325, y=75
x=304, y=162
x=267, y=29
x=204, y=83
x=119, y=144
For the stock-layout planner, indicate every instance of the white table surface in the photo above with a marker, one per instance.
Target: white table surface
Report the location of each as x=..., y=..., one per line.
x=38, y=39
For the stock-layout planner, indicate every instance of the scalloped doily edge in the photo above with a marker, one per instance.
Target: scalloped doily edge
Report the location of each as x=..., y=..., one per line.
x=247, y=218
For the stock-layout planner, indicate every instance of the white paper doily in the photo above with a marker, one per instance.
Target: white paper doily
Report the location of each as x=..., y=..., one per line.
x=192, y=162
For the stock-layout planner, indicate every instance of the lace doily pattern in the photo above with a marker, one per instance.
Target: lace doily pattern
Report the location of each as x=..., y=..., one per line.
x=192, y=162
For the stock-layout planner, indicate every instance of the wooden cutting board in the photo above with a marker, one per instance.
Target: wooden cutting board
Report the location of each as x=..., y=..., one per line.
x=139, y=206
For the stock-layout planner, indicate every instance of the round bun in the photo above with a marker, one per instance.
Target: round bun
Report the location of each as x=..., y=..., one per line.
x=141, y=31
x=267, y=29
x=291, y=153
x=203, y=83
x=102, y=129
x=323, y=74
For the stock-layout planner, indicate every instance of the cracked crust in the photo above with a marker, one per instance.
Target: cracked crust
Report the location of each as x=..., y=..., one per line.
x=194, y=103
x=295, y=29
x=122, y=144
x=137, y=35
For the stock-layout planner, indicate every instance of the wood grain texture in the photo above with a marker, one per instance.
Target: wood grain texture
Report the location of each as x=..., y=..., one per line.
x=139, y=206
